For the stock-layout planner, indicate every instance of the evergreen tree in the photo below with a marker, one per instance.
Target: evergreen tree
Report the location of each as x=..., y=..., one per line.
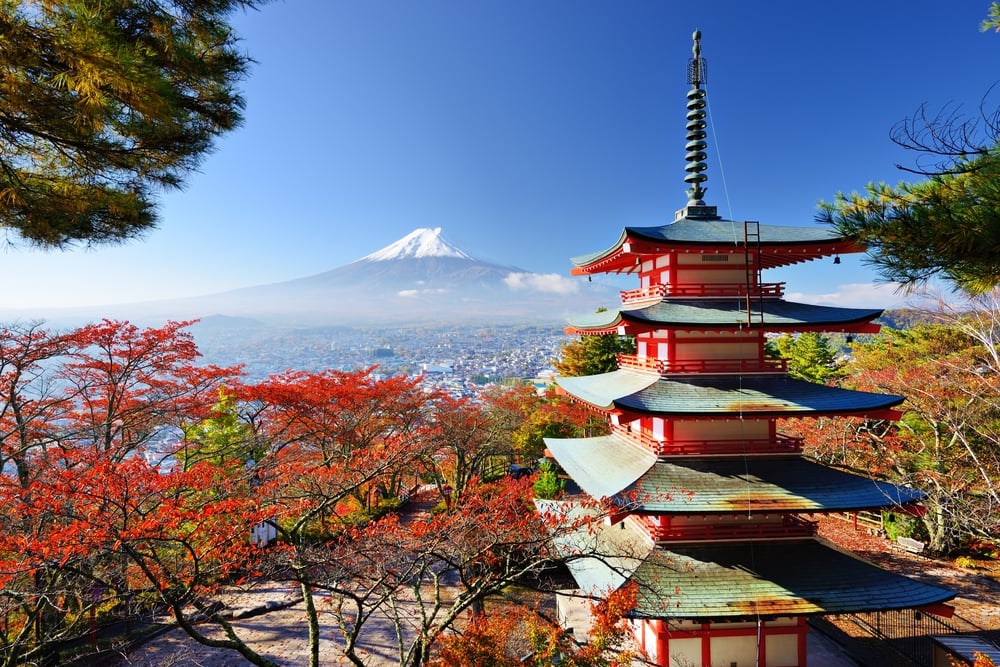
x=947, y=226
x=808, y=354
x=104, y=103
x=589, y=355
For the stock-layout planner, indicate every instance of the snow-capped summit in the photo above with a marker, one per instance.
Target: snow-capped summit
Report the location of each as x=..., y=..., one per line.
x=423, y=242
x=419, y=278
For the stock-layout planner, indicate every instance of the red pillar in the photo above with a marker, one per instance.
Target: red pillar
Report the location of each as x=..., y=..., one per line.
x=803, y=644
x=662, y=645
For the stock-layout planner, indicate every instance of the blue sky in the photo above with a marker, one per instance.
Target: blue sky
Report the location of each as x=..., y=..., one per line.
x=532, y=131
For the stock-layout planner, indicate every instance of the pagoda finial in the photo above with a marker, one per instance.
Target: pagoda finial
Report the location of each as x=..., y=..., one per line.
x=697, y=75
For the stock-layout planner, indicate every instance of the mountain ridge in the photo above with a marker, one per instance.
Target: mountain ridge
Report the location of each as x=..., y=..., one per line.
x=420, y=278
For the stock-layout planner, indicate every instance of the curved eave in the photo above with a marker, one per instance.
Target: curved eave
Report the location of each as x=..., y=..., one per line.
x=600, y=391
x=601, y=466
x=752, y=579
x=778, y=245
x=633, y=393
x=613, y=468
x=759, y=486
x=726, y=581
x=727, y=314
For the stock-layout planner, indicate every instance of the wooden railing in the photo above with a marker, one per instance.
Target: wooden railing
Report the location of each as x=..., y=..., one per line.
x=762, y=290
x=780, y=444
x=710, y=366
x=790, y=526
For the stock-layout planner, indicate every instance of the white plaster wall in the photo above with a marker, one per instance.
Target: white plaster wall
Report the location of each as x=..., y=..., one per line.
x=782, y=651
x=741, y=651
x=757, y=429
x=685, y=653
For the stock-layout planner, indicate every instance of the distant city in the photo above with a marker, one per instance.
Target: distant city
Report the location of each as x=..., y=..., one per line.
x=460, y=360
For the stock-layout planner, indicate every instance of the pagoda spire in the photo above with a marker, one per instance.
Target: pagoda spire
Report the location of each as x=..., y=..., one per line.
x=697, y=74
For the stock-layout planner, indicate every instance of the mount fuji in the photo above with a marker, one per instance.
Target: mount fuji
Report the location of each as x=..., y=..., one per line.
x=419, y=279
x=418, y=243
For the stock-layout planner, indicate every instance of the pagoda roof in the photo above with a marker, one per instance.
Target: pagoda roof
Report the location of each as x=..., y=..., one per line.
x=769, y=314
x=806, y=577
x=718, y=395
x=779, y=244
x=733, y=580
x=612, y=467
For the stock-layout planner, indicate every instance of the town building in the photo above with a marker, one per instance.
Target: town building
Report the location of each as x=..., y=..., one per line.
x=703, y=503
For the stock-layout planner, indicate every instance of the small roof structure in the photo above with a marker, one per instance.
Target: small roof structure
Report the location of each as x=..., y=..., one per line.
x=732, y=581
x=624, y=391
x=611, y=467
x=967, y=646
x=725, y=314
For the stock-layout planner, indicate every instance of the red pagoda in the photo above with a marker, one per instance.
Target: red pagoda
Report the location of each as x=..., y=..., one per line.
x=712, y=502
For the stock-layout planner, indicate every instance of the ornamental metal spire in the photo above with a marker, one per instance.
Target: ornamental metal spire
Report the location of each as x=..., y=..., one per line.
x=697, y=73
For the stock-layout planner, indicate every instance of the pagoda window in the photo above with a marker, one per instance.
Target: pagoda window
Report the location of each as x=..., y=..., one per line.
x=711, y=275
x=647, y=273
x=701, y=346
x=724, y=429
x=658, y=428
x=664, y=273
x=652, y=347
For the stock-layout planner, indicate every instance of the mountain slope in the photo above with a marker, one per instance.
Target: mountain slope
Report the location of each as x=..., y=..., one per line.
x=420, y=278
x=421, y=261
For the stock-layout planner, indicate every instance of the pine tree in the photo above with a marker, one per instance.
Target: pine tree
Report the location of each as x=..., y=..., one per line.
x=947, y=226
x=589, y=355
x=809, y=356
x=102, y=104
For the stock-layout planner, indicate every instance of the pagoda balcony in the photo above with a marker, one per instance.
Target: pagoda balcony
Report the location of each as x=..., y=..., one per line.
x=703, y=290
x=779, y=444
x=704, y=366
x=790, y=526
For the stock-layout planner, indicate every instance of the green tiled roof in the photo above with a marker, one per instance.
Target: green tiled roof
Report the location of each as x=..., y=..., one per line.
x=728, y=313
x=717, y=232
x=613, y=468
x=745, y=579
x=720, y=395
x=603, y=466
x=601, y=558
x=731, y=233
x=730, y=581
x=762, y=485
x=602, y=389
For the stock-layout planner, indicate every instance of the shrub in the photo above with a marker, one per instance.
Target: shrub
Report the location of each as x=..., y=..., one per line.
x=548, y=485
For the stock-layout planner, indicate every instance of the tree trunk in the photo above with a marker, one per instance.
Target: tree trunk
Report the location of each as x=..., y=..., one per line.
x=312, y=619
